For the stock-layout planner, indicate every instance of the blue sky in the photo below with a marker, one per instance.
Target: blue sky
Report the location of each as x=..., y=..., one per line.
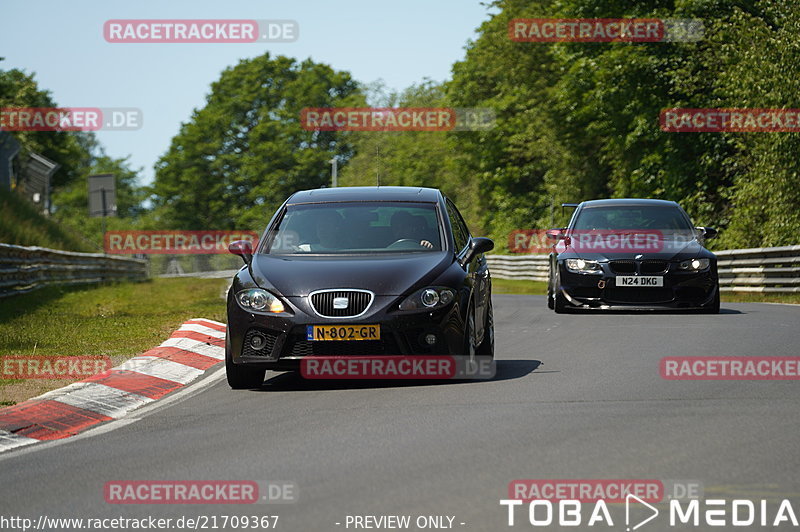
x=400, y=42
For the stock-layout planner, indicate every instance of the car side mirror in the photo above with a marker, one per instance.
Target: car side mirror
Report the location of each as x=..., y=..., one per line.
x=477, y=246
x=243, y=248
x=556, y=234
x=707, y=232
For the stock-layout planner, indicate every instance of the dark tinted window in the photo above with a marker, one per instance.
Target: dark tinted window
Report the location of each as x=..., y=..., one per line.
x=632, y=217
x=363, y=227
x=460, y=231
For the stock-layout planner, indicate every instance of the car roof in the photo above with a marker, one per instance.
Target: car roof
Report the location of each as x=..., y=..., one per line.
x=627, y=201
x=324, y=195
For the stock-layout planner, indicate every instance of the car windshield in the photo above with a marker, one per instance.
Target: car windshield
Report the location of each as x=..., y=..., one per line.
x=356, y=228
x=634, y=217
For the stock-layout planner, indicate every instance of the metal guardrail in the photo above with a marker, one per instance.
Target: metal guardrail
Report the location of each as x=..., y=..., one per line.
x=759, y=269
x=775, y=270
x=23, y=269
x=528, y=267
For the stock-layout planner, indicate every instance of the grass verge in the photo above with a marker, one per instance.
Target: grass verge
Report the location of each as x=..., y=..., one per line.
x=514, y=286
x=118, y=321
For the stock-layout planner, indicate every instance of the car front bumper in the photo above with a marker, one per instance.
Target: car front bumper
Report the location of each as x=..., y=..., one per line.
x=680, y=290
x=286, y=344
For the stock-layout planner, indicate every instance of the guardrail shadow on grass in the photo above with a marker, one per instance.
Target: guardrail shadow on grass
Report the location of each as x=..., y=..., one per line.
x=292, y=381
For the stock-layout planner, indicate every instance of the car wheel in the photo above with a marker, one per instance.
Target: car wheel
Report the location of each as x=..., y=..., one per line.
x=559, y=301
x=550, y=303
x=469, y=337
x=241, y=377
x=486, y=349
x=713, y=307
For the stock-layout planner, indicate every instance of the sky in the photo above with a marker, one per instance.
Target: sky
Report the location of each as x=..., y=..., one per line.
x=62, y=43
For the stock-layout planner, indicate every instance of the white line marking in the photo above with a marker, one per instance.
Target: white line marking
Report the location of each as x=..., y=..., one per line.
x=208, y=321
x=196, y=346
x=202, y=330
x=12, y=441
x=103, y=399
x=162, y=368
x=185, y=393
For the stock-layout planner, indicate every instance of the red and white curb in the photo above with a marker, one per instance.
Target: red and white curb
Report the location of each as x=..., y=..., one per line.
x=193, y=349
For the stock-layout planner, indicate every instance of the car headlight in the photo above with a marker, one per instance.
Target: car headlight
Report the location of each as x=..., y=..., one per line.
x=429, y=298
x=695, y=264
x=259, y=300
x=582, y=265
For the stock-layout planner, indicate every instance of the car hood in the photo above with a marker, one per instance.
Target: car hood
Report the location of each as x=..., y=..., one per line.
x=385, y=275
x=668, y=249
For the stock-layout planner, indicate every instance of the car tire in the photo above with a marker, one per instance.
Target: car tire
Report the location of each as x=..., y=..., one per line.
x=550, y=303
x=713, y=307
x=486, y=349
x=241, y=377
x=560, y=303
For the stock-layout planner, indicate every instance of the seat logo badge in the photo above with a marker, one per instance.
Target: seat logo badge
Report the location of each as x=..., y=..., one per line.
x=638, y=256
x=340, y=302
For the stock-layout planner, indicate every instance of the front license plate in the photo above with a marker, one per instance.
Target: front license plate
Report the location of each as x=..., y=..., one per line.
x=639, y=280
x=343, y=332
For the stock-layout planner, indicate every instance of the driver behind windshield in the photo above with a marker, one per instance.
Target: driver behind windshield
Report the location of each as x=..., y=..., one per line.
x=406, y=226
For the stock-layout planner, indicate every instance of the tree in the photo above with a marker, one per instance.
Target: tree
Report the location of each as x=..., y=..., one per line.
x=242, y=154
x=67, y=148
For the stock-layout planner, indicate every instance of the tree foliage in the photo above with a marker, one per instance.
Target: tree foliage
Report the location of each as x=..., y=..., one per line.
x=238, y=158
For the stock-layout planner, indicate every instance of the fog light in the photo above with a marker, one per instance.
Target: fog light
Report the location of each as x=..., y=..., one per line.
x=430, y=339
x=257, y=342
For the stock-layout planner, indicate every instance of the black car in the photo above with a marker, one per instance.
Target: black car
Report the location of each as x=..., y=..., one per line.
x=632, y=254
x=392, y=269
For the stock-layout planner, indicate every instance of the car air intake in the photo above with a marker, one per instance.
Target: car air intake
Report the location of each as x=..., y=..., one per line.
x=653, y=266
x=623, y=266
x=341, y=303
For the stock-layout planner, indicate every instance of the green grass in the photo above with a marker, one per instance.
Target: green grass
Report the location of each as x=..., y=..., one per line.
x=506, y=286
x=24, y=225
x=748, y=297
x=118, y=321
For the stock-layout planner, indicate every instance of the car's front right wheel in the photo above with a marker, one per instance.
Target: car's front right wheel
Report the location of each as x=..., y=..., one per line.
x=486, y=349
x=240, y=377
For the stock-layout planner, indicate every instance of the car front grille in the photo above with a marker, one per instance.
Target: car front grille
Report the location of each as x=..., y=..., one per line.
x=623, y=266
x=649, y=266
x=357, y=302
x=653, y=266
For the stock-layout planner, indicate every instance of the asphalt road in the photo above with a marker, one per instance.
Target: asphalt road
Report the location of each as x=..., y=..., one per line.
x=575, y=397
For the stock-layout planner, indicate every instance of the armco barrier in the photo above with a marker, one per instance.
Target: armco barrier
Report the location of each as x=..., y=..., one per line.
x=775, y=270
x=528, y=267
x=23, y=269
x=759, y=269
